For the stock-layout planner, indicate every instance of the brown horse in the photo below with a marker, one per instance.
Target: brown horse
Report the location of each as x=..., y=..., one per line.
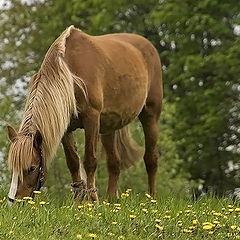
x=100, y=84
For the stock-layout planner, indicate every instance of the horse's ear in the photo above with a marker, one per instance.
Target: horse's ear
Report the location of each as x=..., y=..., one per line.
x=37, y=141
x=11, y=133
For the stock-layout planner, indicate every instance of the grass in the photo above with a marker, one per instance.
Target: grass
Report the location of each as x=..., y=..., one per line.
x=133, y=216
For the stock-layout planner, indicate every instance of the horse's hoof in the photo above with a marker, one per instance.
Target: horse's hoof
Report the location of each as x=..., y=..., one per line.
x=79, y=190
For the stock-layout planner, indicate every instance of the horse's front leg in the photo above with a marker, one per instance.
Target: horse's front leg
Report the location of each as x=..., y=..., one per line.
x=91, y=126
x=73, y=163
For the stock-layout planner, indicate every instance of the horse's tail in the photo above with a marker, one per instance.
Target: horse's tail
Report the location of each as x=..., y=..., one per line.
x=129, y=151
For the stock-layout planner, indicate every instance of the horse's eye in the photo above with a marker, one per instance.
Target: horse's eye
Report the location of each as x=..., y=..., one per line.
x=31, y=169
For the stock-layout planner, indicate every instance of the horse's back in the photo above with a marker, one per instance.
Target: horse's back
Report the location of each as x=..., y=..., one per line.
x=117, y=70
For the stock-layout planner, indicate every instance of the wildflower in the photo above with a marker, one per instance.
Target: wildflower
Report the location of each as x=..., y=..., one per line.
x=179, y=223
x=124, y=195
x=185, y=230
x=27, y=198
x=128, y=190
x=195, y=222
x=132, y=216
x=237, y=209
x=160, y=228
x=31, y=202
x=153, y=201
x=36, y=192
x=79, y=236
x=117, y=204
x=208, y=227
x=92, y=235
x=42, y=203
x=145, y=210
x=157, y=220
x=148, y=195
x=80, y=206
x=233, y=227
x=114, y=223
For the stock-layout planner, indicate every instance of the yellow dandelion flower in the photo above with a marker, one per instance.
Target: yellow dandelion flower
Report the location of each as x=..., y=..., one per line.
x=148, y=195
x=230, y=209
x=79, y=236
x=185, y=230
x=233, y=227
x=27, y=198
x=124, y=195
x=208, y=227
x=128, y=190
x=157, y=220
x=80, y=206
x=31, y=202
x=92, y=235
x=210, y=232
x=36, y=192
x=195, y=222
x=114, y=223
x=237, y=209
x=230, y=206
x=145, y=210
x=42, y=203
x=117, y=204
x=132, y=216
x=160, y=228
x=153, y=201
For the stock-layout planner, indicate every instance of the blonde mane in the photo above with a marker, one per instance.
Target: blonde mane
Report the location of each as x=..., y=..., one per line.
x=49, y=107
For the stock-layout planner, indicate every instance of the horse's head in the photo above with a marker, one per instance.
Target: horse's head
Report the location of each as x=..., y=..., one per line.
x=26, y=162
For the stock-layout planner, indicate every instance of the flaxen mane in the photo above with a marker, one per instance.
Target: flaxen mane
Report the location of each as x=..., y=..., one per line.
x=49, y=107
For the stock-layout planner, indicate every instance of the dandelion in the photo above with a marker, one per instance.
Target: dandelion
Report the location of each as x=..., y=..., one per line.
x=42, y=203
x=92, y=235
x=27, y=198
x=237, y=209
x=132, y=216
x=114, y=223
x=145, y=210
x=233, y=227
x=36, y=192
x=79, y=236
x=153, y=201
x=124, y=195
x=31, y=202
x=185, y=230
x=208, y=227
x=195, y=222
x=160, y=228
x=148, y=196
x=157, y=220
x=128, y=190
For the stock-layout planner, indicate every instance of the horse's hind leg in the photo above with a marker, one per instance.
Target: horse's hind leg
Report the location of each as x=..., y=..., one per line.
x=113, y=163
x=73, y=163
x=149, y=119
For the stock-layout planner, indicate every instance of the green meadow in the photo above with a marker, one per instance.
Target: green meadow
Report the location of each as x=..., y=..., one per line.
x=132, y=216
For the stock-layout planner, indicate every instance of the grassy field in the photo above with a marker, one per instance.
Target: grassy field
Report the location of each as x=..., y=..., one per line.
x=133, y=216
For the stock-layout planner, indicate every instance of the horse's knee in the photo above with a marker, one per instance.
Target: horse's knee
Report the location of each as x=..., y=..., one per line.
x=113, y=166
x=90, y=164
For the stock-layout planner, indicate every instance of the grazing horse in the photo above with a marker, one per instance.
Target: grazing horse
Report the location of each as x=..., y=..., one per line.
x=99, y=84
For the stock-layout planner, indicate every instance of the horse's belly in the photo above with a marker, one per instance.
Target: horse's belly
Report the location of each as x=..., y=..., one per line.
x=123, y=105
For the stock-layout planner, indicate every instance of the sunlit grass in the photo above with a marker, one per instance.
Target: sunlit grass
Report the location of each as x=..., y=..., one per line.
x=133, y=216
